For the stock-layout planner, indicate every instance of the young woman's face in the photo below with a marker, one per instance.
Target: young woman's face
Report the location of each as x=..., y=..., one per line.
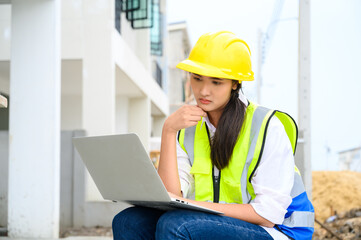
x=211, y=94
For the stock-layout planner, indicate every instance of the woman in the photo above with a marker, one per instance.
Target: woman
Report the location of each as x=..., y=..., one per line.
x=226, y=154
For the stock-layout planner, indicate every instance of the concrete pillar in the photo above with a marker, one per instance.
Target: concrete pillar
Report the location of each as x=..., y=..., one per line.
x=79, y=183
x=303, y=154
x=4, y=177
x=34, y=141
x=122, y=114
x=98, y=87
x=140, y=119
x=157, y=127
x=98, y=68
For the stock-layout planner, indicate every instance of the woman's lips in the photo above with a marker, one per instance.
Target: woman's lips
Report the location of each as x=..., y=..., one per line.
x=204, y=101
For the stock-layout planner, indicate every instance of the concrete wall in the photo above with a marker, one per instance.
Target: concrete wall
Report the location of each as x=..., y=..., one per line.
x=121, y=117
x=106, y=88
x=5, y=31
x=137, y=40
x=4, y=175
x=71, y=107
x=178, y=47
x=175, y=74
x=67, y=178
x=75, y=209
x=92, y=50
x=72, y=26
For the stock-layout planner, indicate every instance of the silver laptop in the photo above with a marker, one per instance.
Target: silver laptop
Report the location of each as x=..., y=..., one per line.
x=123, y=171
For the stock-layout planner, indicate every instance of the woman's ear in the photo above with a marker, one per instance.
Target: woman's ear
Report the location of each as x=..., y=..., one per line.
x=235, y=85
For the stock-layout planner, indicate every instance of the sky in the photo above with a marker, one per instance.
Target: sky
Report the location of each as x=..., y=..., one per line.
x=335, y=60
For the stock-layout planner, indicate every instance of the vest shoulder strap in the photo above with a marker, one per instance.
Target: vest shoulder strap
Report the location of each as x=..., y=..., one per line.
x=290, y=127
x=262, y=117
x=259, y=125
x=186, y=141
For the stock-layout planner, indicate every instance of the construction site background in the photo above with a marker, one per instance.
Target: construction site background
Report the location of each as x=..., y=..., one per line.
x=336, y=197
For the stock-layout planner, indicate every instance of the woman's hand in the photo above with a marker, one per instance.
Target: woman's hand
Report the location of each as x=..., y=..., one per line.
x=185, y=116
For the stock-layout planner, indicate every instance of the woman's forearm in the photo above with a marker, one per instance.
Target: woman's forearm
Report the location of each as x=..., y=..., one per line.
x=243, y=212
x=167, y=168
x=186, y=116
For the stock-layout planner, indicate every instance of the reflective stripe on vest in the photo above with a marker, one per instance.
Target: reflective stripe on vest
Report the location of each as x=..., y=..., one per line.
x=189, y=142
x=300, y=219
x=298, y=186
x=258, y=124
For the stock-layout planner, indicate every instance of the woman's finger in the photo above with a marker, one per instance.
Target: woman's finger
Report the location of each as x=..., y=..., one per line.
x=191, y=123
x=197, y=111
x=204, y=114
x=195, y=118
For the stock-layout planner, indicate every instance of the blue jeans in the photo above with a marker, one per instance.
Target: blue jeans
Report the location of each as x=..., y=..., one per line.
x=147, y=223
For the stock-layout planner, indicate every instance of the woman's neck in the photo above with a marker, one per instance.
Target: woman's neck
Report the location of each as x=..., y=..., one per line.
x=214, y=117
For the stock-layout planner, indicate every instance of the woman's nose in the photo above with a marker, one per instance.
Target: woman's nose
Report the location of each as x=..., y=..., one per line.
x=205, y=90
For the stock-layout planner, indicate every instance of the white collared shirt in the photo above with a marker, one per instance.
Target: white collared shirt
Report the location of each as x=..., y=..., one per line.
x=272, y=180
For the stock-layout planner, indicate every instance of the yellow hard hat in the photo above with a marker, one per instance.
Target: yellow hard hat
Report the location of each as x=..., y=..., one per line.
x=220, y=55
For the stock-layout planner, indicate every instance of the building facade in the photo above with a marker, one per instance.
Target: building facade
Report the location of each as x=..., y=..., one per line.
x=106, y=74
x=350, y=159
x=179, y=48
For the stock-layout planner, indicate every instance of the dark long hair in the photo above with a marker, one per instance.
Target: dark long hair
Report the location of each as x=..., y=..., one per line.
x=228, y=129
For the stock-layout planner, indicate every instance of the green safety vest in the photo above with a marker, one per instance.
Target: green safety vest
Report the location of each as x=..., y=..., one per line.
x=234, y=185
x=235, y=181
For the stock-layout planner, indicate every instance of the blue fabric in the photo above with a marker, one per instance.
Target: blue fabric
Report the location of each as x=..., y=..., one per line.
x=146, y=223
x=297, y=233
x=299, y=203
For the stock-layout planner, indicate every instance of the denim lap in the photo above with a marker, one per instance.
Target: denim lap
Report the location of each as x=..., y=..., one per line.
x=136, y=223
x=182, y=224
x=185, y=224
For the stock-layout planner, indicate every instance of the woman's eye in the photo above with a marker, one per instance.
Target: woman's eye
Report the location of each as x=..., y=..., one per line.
x=216, y=83
x=197, y=79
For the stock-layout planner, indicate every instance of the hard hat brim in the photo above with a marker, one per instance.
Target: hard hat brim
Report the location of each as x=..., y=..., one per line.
x=211, y=71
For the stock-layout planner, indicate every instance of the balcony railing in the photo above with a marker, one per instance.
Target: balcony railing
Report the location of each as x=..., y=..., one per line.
x=156, y=31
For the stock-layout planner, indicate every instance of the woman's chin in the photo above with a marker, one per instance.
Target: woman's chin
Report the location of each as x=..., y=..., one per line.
x=205, y=108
